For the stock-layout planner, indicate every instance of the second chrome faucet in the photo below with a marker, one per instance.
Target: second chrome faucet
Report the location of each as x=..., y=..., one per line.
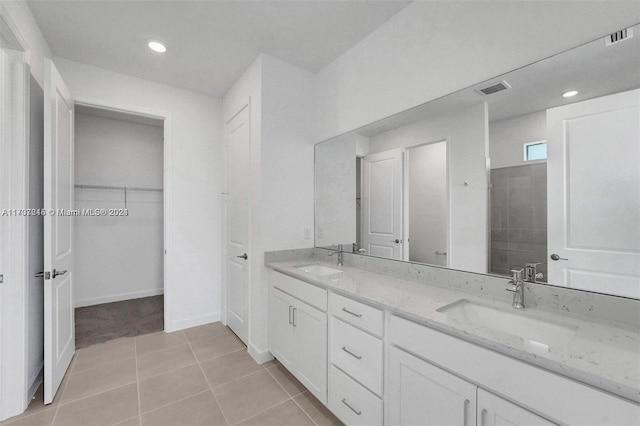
x=516, y=285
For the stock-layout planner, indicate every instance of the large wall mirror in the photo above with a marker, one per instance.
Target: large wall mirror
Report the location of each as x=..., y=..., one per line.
x=540, y=166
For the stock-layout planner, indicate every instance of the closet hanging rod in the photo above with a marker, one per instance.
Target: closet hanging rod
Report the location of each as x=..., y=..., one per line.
x=118, y=188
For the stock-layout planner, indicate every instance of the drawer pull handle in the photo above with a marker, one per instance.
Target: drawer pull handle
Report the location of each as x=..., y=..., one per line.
x=344, y=401
x=356, y=356
x=290, y=320
x=352, y=313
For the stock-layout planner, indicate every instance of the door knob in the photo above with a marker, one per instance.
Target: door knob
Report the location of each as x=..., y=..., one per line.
x=397, y=241
x=56, y=273
x=244, y=256
x=555, y=256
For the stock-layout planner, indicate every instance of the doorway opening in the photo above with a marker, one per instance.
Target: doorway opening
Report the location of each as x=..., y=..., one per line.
x=426, y=204
x=119, y=229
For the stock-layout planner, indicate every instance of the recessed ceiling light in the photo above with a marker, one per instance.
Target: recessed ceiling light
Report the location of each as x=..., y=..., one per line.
x=569, y=94
x=156, y=46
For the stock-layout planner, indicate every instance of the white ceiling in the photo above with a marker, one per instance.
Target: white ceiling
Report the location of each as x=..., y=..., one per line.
x=593, y=69
x=210, y=43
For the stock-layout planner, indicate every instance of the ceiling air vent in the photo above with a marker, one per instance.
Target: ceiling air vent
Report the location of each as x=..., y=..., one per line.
x=499, y=87
x=618, y=36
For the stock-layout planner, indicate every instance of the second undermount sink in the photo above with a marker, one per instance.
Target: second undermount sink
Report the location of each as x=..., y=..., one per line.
x=537, y=334
x=317, y=269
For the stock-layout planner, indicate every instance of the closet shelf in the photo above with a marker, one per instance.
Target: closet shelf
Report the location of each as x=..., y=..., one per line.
x=118, y=188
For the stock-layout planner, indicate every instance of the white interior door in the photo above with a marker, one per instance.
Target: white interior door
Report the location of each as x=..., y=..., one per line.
x=427, y=204
x=237, y=288
x=59, y=329
x=594, y=194
x=382, y=204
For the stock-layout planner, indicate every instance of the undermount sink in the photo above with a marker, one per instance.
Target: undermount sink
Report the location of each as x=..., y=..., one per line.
x=317, y=269
x=537, y=334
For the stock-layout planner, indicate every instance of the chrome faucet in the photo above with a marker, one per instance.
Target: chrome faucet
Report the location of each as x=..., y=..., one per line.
x=356, y=250
x=516, y=285
x=530, y=273
x=340, y=252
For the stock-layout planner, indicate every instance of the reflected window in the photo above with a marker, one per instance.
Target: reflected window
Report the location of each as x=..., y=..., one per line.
x=535, y=151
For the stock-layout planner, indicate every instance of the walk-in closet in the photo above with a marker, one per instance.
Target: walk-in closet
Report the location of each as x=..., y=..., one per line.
x=119, y=229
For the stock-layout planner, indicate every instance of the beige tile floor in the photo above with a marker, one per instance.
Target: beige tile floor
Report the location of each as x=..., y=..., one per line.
x=199, y=376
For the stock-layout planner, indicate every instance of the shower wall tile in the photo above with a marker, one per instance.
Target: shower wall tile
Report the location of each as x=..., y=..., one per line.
x=500, y=207
x=499, y=259
x=539, y=174
x=520, y=239
x=499, y=178
x=500, y=238
x=518, y=218
x=539, y=203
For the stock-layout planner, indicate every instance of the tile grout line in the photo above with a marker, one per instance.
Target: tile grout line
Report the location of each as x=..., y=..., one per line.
x=302, y=408
x=174, y=402
x=231, y=381
x=135, y=352
x=209, y=384
x=55, y=415
x=244, y=348
x=262, y=412
x=291, y=397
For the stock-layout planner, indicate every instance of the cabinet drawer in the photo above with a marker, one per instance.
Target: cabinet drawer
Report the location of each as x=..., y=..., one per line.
x=357, y=353
x=352, y=403
x=356, y=313
x=314, y=296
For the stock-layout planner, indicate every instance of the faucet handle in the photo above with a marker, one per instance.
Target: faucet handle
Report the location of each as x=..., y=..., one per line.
x=532, y=265
x=517, y=274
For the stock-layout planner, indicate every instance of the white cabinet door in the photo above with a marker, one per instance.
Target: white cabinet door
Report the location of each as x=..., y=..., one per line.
x=422, y=394
x=311, y=349
x=281, y=331
x=495, y=411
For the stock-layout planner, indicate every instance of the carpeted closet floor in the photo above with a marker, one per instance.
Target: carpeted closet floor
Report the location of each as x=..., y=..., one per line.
x=100, y=323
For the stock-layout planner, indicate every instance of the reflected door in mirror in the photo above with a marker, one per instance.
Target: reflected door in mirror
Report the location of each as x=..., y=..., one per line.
x=594, y=194
x=382, y=204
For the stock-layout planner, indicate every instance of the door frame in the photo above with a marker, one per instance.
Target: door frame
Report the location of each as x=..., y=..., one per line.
x=167, y=180
x=225, y=184
x=14, y=111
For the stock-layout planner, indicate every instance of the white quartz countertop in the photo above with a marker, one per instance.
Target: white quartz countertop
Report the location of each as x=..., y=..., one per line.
x=594, y=351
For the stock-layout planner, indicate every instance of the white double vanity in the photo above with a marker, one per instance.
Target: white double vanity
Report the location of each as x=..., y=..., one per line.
x=391, y=340
x=386, y=342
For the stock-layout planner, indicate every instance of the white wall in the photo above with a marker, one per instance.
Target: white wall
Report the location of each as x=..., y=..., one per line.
x=20, y=20
x=507, y=138
x=466, y=134
x=335, y=191
x=281, y=202
x=248, y=89
x=288, y=111
x=433, y=48
x=193, y=183
x=116, y=152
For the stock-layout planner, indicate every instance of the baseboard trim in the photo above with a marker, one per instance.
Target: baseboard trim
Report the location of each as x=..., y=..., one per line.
x=191, y=322
x=118, y=297
x=260, y=356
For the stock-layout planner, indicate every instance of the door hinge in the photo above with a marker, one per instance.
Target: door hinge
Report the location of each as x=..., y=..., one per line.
x=1, y=278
